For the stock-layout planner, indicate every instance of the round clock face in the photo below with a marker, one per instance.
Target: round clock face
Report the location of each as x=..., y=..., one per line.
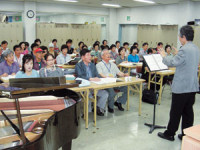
x=30, y=14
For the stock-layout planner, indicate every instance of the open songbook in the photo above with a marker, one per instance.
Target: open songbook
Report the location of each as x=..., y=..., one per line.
x=154, y=62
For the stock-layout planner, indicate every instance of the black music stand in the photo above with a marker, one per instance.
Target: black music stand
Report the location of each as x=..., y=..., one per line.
x=155, y=60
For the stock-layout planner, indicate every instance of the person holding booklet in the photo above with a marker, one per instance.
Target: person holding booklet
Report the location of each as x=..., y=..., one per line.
x=86, y=69
x=185, y=84
x=109, y=69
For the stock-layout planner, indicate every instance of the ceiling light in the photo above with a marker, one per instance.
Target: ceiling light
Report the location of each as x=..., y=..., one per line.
x=145, y=1
x=73, y=1
x=111, y=5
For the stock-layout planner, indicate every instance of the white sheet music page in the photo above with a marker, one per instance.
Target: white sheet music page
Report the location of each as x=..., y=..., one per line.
x=159, y=60
x=151, y=63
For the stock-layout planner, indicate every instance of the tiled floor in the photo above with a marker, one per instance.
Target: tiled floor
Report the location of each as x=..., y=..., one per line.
x=126, y=130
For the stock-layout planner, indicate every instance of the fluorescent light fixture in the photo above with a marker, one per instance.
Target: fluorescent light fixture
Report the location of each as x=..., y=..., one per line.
x=145, y=1
x=111, y=5
x=72, y=1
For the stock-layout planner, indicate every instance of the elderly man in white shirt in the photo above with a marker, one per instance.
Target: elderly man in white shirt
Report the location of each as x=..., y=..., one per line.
x=109, y=69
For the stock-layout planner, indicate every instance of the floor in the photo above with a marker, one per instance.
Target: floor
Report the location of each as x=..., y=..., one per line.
x=126, y=130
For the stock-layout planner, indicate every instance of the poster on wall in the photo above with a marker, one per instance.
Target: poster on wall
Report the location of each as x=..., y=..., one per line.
x=18, y=18
x=38, y=19
x=10, y=19
x=128, y=18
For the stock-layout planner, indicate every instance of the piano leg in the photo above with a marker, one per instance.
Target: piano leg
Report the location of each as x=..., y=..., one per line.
x=67, y=146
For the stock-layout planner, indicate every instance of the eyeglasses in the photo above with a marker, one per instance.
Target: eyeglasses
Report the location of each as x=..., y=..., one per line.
x=50, y=60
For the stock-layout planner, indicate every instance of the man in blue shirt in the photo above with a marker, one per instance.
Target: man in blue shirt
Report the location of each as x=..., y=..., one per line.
x=9, y=66
x=87, y=70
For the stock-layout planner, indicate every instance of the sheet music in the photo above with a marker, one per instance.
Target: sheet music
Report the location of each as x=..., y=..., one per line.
x=154, y=62
x=159, y=60
x=151, y=62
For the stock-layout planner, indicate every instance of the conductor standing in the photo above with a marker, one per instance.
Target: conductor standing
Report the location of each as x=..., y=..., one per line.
x=185, y=84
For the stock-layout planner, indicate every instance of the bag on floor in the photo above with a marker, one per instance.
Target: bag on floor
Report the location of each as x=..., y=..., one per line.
x=149, y=96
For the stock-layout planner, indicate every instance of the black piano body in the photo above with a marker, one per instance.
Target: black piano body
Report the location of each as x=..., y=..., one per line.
x=62, y=127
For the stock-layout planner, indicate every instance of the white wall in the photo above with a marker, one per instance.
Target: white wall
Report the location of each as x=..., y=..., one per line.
x=129, y=33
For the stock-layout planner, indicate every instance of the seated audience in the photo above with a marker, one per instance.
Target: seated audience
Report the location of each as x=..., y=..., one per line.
x=45, y=51
x=133, y=57
x=113, y=54
x=38, y=61
x=95, y=52
x=56, y=49
x=23, y=48
x=109, y=69
x=117, y=43
x=136, y=44
x=27, y=47
x=168, y=51
x=34, y=46
x=63, y=57
x=143, y=51
x=121, y=58
x=50, y=70
x=27, y=68
x=4, y=46
x=125, y=45
x=69, y=45
x=159, y=46
x=87, y=70
x=80, y=44
x=104, y=45
x=38, y=42
x=9, y=66
x=17, y=55
x=84, y=47
x=1, y=56
x=51, y=50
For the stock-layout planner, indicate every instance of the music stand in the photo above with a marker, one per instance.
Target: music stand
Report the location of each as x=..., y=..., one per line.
x=154, y=64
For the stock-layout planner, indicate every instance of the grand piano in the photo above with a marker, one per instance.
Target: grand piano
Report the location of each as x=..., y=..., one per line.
x=39, y=123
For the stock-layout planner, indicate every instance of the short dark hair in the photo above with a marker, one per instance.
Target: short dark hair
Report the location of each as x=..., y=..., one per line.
x=132, y=48
x=167, y=47
x=26, y=58
x=149, y=51
x=20, y=44
x=54, y=40
x=37, y=40
x=117, y=42
x=145, y=44
x=26, y=44
x=84, y=51
x=188, y=32
x=95, y=44
x=69, y=41
x=33, y=45
x=113, y=45
x=4, y=42
x=15, y=47
x=135, y=43
x=43, y=47
x=120, y=49
x=47, y=55
x=125, y=43
x=84, y=46
x=81, y=42
x=104, y=41
x=63, y=47
x=160, y=43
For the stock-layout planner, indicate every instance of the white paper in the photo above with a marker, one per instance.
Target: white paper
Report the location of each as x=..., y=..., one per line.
x=154, y=62
x=126, y=64
x=8, y=77
x=105, y=80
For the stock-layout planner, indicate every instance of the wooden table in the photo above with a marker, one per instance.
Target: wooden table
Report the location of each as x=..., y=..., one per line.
x=129, y=67
x=97, y=87
x=67, y=66
x=162, y=74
